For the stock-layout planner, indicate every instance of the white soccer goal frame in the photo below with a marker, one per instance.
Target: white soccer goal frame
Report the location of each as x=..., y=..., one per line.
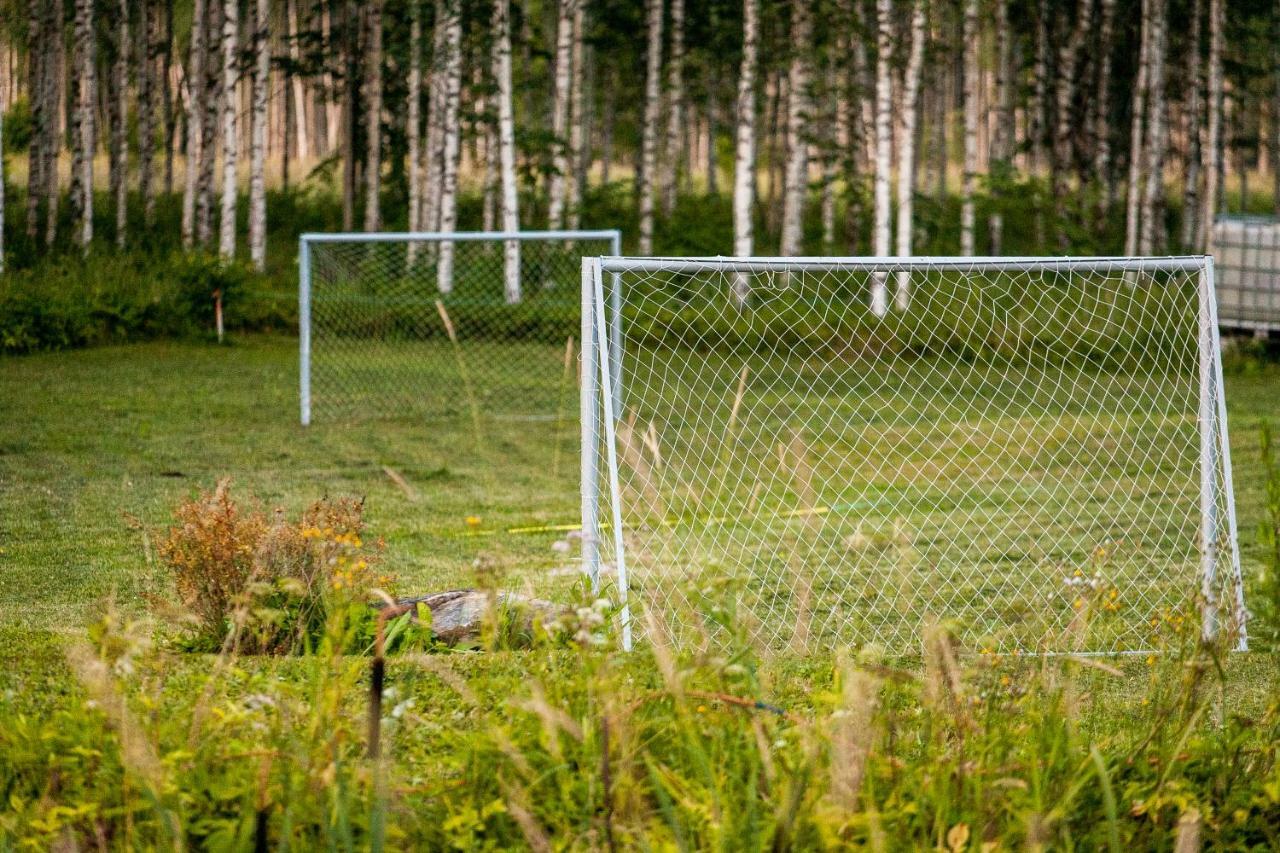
x=601, y=377
x=305, y=243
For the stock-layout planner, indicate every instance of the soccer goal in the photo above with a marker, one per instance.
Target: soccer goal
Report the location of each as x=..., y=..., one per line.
x=1247, y=259
x=1031, y=451
x=475, y=326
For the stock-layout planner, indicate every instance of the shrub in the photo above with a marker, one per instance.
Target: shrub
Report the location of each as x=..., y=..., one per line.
x=265, y=584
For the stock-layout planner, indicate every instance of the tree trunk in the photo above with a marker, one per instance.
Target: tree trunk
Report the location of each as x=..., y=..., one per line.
x=971, y=70
x=907, y=146
x=350, y=87
x=1102, y=109
x=373, y=121
x=744, y=164
x=1151, y=230
x=3, y=105
x=1193, y=115
x=413, y=121
x=796, y=180
x=452, y=140
x=146, y=110
x=55, y=94
x=86, y=106
x=652, y=116
x=433, y=169
x=565, y=10
x=37, y=74
x=1002, y=137
x=195, y=128
x=258, y=144
x=578, y=156
x=1038, y=122
x=672, y=168
x=506, y=147
x=300, y=123
x=214, y=96
x=168, y=115
x=1213, y=141
x=230, y=139
x=119, y=119
x=1063, y=151
x=1137, y=123
x=884, y=150
x=1273, y=138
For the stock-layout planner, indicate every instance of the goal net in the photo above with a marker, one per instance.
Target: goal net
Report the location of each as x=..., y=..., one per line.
x=1247, y=260
x=472, y=326
x=1032, y=452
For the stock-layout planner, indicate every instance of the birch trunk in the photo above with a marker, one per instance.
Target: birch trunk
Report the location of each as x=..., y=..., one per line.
x=1136, y=126
x=907, y=147
x=119, y=118
x=1063, y=152
x=884, y=151
x=37, y=73
x=373, y=121
x=1150, y=230
x=350, y=92
x=675, y=110
x=1002, y=135
x=146, y=110
x=796, y=179
x=55, y=100
x=1213, y=141
x=506, y=147
x=86, y=106
x=433, y=168
x=1039, y=119
x=168, y=115
x=301, y=125
x=1102, y=107
x=971, y=70
x=744, y=165
x=195, y=118
x=452, y=141
x=414, y=122
x=652, y=116
x=258, y=143
x=1192, y=116
x=577, y=119
x=214, y=97
x=560, y=112
x=230, y=139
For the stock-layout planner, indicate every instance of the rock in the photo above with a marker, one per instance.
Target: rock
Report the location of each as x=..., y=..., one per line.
x=458, y=614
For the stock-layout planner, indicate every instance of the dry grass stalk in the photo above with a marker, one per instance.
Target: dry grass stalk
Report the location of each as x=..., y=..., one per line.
x=852, y=733
x=565, y=379
x=396, y=477
x=517, y=806
x=802, y=581
x=1188, y=840
x=472, y=402
x=634, y=458
x=943, y=685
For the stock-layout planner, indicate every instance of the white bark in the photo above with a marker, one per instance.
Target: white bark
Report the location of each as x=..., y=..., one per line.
x=1213, y=140
x=87, y=104
x=884, y=148
x=565, y=10
x=577, y=120
x=675, y=108
x=1193, y=116
x=295, y=80
x=414, y=121
x=796, y=178
x=195, y=123
x=146, y=111
x=506, y=147
x=907, y=146
x=1156, y=133
x=1064, y=130
x=745, y=144
x=433, y=165
x=258, y=143
x=373, y=122
x=971, y=71
x=1137, y=123
x=230, y=139
x=652, y=116
x=119, y=140
x=1001, y=154
x=452, y=139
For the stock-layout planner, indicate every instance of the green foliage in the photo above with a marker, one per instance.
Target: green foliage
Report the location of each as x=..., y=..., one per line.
x=18, y=126
x=1265, y=599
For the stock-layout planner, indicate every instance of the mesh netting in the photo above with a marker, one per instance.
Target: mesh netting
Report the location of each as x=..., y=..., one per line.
x=446, y=329
x=1014, y=448
x=1247, y=265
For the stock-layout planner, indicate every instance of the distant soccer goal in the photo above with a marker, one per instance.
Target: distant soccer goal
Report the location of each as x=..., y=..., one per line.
x=1031, y=451
x=474, y=326
x=1247, y=258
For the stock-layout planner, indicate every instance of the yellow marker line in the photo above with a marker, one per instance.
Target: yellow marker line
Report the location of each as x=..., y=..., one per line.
x=569, y=528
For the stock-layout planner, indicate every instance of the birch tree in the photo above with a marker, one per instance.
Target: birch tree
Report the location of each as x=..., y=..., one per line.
x=433, y=168
x=119, y=119
x=577, y=118
x=884, y=149
x=1213, y=136
x=675, y=108
x=565, y=10
x=907, y=146
x=971, y=70
x=373, y=121
x=302, y=128
x=1193, y=116
x=350, y=93
x=744, y=163
x=1064, y=130
x=1003, y=132
x=796, y=179
x=506, y=146
x=37, y=61
x=230, y=139
x=258, y=143
x=214, y=96
x=1156, y=133
x=146, y=110
x=86, y=107
x=452, y=140
x=195, y=117
x=1102, y=107
x=1137, y=123
x=652, y=116
x=413, y=121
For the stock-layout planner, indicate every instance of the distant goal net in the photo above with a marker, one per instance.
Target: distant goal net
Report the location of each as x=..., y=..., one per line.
x=470, y=326
x=1032, y=452
x=1247, y=259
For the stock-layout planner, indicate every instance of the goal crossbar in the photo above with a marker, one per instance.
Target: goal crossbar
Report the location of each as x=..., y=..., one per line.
x=606, y=345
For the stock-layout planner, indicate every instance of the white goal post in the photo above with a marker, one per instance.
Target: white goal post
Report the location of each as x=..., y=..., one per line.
x=1032, y=451
x=393, y=323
